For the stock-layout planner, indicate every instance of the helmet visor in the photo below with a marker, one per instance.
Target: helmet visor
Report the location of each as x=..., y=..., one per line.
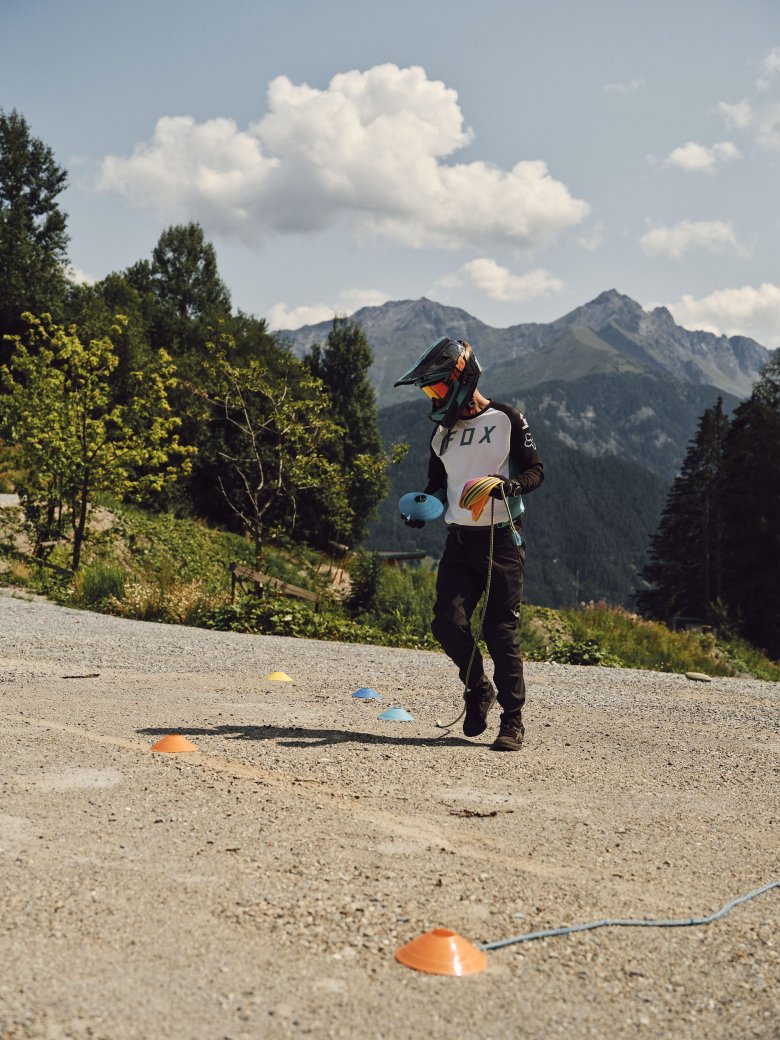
x=436, y=391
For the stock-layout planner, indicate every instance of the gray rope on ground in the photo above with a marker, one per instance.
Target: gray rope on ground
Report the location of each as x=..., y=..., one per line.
x=618, y=922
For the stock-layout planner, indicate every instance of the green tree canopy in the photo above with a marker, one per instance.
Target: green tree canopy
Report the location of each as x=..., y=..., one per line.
x=182, y=288
x=751, y=506
x=277, y=440
x=685, y=566
x=33, y=239
x=342, y=364
x=74, y=439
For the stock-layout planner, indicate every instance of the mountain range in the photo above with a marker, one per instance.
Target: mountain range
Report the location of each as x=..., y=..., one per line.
x=611, y=332
x=613, y=394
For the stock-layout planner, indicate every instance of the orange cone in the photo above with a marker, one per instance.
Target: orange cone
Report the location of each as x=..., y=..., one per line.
x=174, y=743
x=442, y=952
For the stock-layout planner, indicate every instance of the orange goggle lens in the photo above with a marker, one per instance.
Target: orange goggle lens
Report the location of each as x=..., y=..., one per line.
x=436, y=391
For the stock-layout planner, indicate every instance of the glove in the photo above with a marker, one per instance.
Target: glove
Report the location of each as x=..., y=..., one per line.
x=408, y=520
x=507, y=487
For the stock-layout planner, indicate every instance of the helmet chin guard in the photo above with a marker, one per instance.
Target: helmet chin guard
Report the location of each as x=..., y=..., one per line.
x=448, y=371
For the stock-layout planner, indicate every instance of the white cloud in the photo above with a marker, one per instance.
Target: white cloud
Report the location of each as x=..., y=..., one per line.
x=694, y=157
x=78, y=277
x=498, y=283
x=747, y=311
x=370, y=148
x=739, y=115
x=676, y=240
x=769, y=69
x=627, y=87
x=280, y=316
x=760, y=120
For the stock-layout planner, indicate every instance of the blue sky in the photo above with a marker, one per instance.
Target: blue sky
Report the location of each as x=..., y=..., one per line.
x=510, y=158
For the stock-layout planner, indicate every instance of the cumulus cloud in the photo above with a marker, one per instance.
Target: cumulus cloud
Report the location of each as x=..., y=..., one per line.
x=762, y=121
x=498, y=283
x=760, y=116
x=280, y=316
x=746, y=311
x=678, y=239
x=769, y=69
x=698, y=157
x=373, y=148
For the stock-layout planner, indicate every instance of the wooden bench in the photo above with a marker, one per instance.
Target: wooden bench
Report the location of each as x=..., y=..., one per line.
x=398, y=557
x=240, y=573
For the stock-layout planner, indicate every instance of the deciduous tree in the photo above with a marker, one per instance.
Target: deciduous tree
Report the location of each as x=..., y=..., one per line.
x=74, y=438
x=278, y=441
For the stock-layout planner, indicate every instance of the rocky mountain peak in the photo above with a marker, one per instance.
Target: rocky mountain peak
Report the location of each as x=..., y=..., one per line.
x=400, y=330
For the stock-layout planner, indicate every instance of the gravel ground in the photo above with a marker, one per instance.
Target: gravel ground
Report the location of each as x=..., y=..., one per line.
x=260, y=886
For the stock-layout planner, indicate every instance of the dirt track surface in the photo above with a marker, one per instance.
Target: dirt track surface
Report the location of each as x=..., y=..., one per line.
x=260, y=886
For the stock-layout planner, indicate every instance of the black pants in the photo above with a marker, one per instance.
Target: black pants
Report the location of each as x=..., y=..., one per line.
x=462, y=577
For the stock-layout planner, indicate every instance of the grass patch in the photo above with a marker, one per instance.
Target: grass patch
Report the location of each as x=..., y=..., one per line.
x=157, y=567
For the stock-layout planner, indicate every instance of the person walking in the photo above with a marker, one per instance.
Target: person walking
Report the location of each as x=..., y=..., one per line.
x=476, y=436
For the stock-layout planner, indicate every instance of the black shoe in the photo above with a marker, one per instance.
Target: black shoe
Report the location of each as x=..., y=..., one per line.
x=510, y=736
x=478, y=703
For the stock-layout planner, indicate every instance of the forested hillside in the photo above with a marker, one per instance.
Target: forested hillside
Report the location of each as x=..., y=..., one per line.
x=587, y=528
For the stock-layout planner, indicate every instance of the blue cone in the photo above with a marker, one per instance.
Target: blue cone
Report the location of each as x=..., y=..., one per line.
x=365, y=693
x=396, y=715
x=418, y=506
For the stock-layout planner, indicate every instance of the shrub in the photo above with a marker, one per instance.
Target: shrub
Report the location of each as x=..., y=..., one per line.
x=277, y=616
x=582, y=651
x=98, y=582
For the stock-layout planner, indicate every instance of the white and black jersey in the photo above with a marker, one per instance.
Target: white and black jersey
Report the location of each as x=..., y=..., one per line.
x=496, y=441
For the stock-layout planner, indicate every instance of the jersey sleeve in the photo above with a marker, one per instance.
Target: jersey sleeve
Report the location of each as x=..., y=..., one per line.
x=437, y=476
x=525, y=464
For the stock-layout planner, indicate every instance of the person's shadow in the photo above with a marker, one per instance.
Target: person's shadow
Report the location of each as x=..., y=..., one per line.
x=300, y=736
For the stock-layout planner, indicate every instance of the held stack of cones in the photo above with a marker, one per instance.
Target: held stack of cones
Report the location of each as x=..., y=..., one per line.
x=476, y=494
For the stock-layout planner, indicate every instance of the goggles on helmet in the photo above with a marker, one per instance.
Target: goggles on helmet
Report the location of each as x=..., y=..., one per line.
x=436, y=391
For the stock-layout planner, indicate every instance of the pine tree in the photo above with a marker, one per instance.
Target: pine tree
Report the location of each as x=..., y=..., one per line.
x=751, y=493
x=342, y=365
x=686, y=552
x=33, y=239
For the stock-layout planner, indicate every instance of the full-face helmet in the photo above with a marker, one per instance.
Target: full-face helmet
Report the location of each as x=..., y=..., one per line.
x=448, y=373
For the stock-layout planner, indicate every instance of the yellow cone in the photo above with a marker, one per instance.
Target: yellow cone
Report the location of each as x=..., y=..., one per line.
x=278, y=677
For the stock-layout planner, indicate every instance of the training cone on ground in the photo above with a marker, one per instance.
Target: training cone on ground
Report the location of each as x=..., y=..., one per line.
x=442, y=952
x=366, y=693
x=395, y=715
x=278, y=677
x=173, y=744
